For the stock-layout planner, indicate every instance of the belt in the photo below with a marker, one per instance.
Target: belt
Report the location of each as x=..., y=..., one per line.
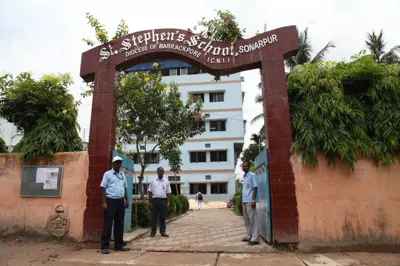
x=116, y=199
x=159, y=198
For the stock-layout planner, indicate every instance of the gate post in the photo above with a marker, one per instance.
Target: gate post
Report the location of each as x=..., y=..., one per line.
x=101, y=145
x=279, y=138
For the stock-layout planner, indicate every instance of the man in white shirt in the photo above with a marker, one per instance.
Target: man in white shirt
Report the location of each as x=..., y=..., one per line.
x=159, y=191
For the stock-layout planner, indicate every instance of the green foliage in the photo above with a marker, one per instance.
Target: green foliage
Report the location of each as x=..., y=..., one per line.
x=376, y=45
x=184, y=202
x=250, y=153
x=223, y=27
x=44, y=110
x=3, y=146
x=102, y=33
x=237, y=203
x=143, y=214
x=346, y=108
x=172, y=204
x=303, y=56
x=178, y=205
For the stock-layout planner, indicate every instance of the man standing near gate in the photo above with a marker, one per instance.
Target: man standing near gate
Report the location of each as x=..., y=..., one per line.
x=159, y=191
x=249, y=198
x=115, y=200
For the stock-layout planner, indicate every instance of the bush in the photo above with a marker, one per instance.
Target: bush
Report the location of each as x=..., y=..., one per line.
x=178, y=204
x=184, y=202
x=143, y=214
x=172, y=204
x=237, y=203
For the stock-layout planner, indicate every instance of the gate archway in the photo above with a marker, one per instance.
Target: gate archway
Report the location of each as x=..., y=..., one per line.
x=265, y=51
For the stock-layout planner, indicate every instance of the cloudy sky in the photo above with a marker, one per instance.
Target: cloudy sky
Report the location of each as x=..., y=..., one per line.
x=43, y=36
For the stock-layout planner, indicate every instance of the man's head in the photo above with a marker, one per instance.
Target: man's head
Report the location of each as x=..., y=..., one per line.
x=117, y=163
x=245, y=166
x=160, y=172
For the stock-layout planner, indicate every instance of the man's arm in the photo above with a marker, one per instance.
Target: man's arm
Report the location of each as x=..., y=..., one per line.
x=254, y=181
x=103, y=185
x=149, y=191
x=103, y=196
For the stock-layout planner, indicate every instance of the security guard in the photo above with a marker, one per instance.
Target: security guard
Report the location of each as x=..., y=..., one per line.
x=159, y=191
x=115, y=200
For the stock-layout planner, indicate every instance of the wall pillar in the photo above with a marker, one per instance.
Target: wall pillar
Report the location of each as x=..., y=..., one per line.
x=284, y=212
x=101, y=145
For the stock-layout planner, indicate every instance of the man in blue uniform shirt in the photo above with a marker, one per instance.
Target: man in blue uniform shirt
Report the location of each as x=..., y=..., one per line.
x=249, y=199
x=115, y=200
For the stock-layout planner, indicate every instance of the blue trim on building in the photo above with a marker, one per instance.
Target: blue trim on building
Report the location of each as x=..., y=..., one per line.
x=166, y=64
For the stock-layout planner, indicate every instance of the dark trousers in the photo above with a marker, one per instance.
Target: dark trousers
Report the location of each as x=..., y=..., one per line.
x=159, y=208
x=115, y=213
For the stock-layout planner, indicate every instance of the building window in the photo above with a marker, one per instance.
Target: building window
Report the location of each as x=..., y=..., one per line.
x=173, y=71
x=208, y=177
x=218, y=156
x=149, y=158
x=171, y=178
x=198, y=157
x=197, y=97
x=195, y=188
x=198, y=125
x=174, y=186
x=135, y=189
x=194, y=70
x=219, y=188
x=183, y=71
x=216, y=97
x=219, y=125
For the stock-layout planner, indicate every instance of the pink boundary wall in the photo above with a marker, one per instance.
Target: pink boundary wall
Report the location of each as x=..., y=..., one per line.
x=338, y=207
x=21, y=215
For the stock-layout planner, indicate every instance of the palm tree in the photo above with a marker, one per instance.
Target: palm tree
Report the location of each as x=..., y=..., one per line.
x=376, y=46
x=303, y=56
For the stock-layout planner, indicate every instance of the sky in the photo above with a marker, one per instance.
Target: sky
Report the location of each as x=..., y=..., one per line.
x=42, y=36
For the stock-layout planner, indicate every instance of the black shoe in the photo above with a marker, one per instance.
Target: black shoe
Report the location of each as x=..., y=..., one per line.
x=164, y=235
x=105, y=251
x=251, y=243
x=152, y=235
x=245, y=240
x=122, y=249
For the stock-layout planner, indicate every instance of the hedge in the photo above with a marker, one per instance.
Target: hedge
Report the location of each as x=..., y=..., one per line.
x=184, y=202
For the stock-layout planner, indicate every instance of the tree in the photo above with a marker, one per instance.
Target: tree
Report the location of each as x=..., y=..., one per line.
x=173, y=155
x=303, y=56
x=152, y=111
x=254, y=148
x=346, y=109
x=376, y=45
x=44, y=110
x=3, y=146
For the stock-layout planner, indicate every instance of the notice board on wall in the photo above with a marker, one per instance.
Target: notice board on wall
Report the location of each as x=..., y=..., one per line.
x=41, y=181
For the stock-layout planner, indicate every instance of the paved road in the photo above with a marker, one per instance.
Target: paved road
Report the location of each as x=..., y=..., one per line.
x=208, y=230
x=207, y=237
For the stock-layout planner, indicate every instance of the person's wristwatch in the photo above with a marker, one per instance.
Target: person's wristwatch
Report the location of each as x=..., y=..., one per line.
x=253, y=201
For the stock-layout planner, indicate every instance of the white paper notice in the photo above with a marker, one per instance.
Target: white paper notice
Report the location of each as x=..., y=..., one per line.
x=47, y=176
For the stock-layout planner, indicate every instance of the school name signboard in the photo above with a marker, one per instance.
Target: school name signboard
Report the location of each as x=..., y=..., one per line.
x=183, y=41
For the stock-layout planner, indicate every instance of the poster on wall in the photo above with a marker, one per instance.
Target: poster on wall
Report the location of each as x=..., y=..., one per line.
x=48, y=177
x=41, y=181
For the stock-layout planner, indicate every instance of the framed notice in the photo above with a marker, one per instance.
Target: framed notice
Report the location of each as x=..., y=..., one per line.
x=41, y=181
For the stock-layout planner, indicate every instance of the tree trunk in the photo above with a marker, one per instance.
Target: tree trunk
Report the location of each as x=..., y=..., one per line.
x=141, y=177
x=176, y=184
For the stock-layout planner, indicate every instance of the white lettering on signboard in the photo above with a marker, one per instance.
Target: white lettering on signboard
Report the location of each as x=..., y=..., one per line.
x=196, y=46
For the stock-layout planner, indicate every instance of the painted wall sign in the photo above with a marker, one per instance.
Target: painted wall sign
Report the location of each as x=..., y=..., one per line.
x=183, y=41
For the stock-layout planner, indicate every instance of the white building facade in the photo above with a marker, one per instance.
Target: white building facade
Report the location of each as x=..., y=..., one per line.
x=209, y=160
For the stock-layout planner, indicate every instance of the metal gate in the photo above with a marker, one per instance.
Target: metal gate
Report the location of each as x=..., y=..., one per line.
x=263, y=191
